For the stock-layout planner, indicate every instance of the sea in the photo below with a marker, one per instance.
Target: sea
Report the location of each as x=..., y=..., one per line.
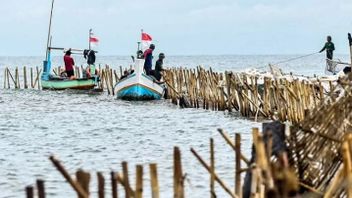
x=97, y=132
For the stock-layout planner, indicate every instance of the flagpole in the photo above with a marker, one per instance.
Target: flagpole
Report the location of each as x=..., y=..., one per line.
x=90, y=36
x=49, y=32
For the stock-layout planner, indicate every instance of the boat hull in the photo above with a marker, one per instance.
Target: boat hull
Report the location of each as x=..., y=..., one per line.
x=138, y=92
x=139, y=86
x=79, y=84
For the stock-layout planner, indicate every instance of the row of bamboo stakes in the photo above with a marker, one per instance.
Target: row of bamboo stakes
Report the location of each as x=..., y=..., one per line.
x=32, y=80
x=270, y=178
x=279, y=98
x=81, y=184
x=319, y=159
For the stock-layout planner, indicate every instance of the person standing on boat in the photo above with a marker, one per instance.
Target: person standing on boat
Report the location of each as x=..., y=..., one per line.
x=148, y=57
x=329, y=47
x=159, y=66
x=90, y=56
x=69, y=64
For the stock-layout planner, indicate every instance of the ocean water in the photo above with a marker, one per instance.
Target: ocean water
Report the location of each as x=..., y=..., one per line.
x=98, y=132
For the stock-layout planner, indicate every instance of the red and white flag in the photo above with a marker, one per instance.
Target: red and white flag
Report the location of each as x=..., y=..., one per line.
x=93, y=40
x=146, y=41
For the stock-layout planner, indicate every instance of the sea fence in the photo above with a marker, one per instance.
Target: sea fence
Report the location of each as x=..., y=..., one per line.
x=30, y=77
x=287, y=98
x=312, y=158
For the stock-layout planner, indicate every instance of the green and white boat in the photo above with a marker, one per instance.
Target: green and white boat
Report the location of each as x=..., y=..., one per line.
x=54, y=82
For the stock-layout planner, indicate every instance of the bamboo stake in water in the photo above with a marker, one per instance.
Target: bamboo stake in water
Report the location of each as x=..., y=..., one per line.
x=233, y=146
x=139, y=182
x=114, y=187
x=5, y=70
x=38, y=76
x=25, y=77
x=17, y=86
x=78, y=188
x=32, y=85
x=101, y=185
x=212, y=169
x=238, y=165
x=154, y=180
x=178, y=174
x=83, y=179
x=128, y=192
x=217, y=178
x=41, y=188
x=8, y=79
x=29, y=192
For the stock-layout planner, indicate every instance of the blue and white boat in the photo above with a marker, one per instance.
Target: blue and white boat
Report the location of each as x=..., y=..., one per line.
x=139, y=86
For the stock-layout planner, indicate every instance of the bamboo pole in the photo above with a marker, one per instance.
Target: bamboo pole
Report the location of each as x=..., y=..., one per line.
x=206, y=166
x=101, y=185
x=29, y=192
x=32, y=85
x=126, y=182
x=41, y=188
x=8, y=79
x=178, y=175
x=212, y=169
x=25, y=77
x=346, y=155
x=38, y=76
x=5, y=70
x=238, y=165
x=77, y=187
x=114, y=186
x=154, y=180
x=83, y=179
x=139, y=181
x=232, y=144
x=17, y=85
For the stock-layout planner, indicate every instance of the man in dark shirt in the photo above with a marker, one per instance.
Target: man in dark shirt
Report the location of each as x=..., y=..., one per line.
x=148, y=57
x=329, y=47
x=69, y=64
x=159, y=66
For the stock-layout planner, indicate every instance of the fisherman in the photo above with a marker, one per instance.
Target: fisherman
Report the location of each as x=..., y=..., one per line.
x=159, y=66
x=90, y=56
x=148, y=57
x=329, y=47
x=69, y=64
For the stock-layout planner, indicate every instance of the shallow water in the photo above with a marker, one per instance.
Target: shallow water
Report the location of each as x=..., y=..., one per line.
x=98, y=132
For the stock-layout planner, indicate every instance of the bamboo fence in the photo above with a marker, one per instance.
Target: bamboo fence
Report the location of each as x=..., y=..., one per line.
x=282, y=99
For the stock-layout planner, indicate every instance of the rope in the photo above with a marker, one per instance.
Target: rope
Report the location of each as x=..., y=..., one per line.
x=292, y=59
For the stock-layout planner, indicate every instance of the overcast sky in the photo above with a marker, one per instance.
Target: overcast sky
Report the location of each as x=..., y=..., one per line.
x=179, y=27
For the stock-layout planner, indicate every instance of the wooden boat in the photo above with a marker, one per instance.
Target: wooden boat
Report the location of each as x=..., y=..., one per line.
x=139, y=86
x=50, y=81
x=57, y=83
x=53, y=82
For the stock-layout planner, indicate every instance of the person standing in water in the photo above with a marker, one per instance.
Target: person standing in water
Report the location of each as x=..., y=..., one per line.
x=148, y=57
x=159, y=66
x=329, y=47
x=69, y=64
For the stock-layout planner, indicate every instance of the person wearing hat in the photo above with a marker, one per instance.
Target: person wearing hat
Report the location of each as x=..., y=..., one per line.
x=148, y=57
x=159, y=66
x=69, y=64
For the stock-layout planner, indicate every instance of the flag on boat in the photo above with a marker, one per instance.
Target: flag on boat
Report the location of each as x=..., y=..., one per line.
x=146, y=41
x=93, y=40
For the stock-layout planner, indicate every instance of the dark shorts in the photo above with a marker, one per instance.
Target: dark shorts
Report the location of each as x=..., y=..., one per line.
x=70, y=73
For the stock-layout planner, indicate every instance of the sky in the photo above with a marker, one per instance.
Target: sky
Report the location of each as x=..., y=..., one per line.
x=178, y=27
